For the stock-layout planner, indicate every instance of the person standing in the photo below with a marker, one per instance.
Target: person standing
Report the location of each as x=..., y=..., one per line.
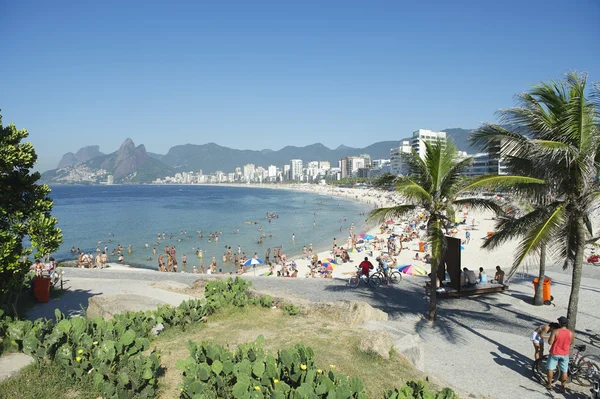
x=267, y=254
x=560, y=346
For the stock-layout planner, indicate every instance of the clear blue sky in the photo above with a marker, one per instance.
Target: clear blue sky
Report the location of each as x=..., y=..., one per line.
x=265, y=74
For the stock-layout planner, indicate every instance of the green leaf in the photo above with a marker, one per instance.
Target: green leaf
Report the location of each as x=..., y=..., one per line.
x=258, y=369
x=128, y=337
x=64, y=326
x=217, y=367
x=240, y=389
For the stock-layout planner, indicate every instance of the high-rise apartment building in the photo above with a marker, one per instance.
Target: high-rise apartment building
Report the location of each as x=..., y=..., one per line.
x=398, y=158
x=422, y=136
x=296, y=168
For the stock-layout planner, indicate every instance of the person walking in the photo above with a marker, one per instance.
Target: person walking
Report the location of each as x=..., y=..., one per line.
x=560, y=346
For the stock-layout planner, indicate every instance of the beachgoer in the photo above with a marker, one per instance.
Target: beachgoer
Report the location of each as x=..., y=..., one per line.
x=499, y=276
x=39, y=267
x=560, y=346
x=467, y=237
x=537, y=338
x=365, y=267
x=482, y=276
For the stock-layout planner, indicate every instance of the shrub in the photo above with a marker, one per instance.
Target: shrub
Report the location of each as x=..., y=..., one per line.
x=214, y=372
x=291, y=310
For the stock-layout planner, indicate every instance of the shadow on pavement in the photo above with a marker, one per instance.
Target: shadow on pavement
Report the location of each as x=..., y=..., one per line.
x=71, y=303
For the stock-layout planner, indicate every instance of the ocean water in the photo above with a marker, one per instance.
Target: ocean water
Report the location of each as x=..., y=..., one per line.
x=134, y=215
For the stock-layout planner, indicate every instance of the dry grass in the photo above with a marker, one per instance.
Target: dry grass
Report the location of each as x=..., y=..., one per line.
x=332, y=343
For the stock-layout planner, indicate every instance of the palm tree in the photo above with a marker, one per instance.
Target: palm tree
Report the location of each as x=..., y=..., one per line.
x=555, y=129
x=433, y=184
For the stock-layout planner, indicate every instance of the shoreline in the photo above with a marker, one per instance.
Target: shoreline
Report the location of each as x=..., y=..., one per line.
x=366, y=197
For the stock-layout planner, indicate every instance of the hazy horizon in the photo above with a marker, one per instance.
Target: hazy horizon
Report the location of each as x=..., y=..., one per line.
x=270, y=74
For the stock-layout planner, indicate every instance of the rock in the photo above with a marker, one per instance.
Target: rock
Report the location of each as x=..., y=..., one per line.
x=157, y=329
x=348, y=312
x=108, y=305
x=12, y=363
x=377, y=342
x=169, y=285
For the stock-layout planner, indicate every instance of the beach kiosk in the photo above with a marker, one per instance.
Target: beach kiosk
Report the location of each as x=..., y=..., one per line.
x=451, y=264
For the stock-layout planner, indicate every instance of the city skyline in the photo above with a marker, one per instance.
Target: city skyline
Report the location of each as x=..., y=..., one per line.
x=267, y=75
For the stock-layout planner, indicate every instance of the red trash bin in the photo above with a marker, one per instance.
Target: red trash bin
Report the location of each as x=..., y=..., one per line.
x=41, y=289
x=547, y=294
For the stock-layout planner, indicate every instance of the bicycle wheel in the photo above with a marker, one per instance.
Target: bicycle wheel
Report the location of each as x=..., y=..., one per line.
x=395, y=277
x=354, y=281
x=376, y=279
x=587, y=367
x=540, y=371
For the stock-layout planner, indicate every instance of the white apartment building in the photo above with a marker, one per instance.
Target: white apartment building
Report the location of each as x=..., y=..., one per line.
x=398, y=158
x=296, y=168
x=249, y=172
x=324, y=165
x=272, y=172
x=422, y=136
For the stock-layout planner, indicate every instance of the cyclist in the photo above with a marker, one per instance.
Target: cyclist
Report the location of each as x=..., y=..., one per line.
x=384, y=267
x=560, y=341
x=365, y=266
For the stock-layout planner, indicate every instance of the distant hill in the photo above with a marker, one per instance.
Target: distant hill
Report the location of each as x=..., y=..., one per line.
x=461, y=139
x=129, y=164
x=83, y=155
x=135, y=164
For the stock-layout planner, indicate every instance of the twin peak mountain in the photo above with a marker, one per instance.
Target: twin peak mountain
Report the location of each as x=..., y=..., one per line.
x=131, y=164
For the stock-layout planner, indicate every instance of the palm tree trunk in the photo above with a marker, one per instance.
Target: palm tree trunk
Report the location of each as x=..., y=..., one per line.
x=538, y=299
x=434, y=230
x=576, y=278
x=433, y=290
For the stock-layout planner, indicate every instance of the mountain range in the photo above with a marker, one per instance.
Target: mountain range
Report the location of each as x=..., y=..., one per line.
x=131, y=164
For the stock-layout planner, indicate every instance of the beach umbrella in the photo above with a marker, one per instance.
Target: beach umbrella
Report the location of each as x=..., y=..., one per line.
x=402, y=267
x=390, y=222
x=253, y=262
x=369, y=237
x=362, y=235
x=413, y=270
x=329, y=267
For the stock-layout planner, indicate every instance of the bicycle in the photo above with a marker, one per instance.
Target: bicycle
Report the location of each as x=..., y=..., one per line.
x=595, y=385
x=394, y=277
x=374, y=280
x=581, y=368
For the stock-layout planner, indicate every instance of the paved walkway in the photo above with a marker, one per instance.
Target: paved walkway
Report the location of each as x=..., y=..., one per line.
x=478, y=344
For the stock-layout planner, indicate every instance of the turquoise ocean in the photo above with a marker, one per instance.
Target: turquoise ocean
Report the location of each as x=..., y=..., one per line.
x=135, y=214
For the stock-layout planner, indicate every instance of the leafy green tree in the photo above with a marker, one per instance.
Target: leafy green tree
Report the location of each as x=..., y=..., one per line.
x=435, y=184
x=24, y=210
x=553, y=131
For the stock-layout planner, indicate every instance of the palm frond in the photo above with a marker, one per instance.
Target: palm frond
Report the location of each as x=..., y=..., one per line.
x=480, y=204
x=381, y=214
x=493, y=182
x=540, y=234
x=411, y=190
x=493, y=138
x=385, y=181
x=435, y=236
x=509, y=228
x=449, y=182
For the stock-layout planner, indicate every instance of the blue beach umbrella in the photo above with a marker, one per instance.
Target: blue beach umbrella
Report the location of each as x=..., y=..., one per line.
x=368, y=237
x=253, y=262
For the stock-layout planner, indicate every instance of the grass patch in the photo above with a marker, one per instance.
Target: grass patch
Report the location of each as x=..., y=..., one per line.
x=44, y=381
x=335, y=344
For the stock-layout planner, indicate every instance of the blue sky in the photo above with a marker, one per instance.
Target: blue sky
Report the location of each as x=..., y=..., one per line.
x=265, y=74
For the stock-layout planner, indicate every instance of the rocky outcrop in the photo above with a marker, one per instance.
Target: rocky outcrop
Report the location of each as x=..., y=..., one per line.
x=108, y=305
x=377, y=343
x=12, y=363
x=353, y=313
x=83, y=155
